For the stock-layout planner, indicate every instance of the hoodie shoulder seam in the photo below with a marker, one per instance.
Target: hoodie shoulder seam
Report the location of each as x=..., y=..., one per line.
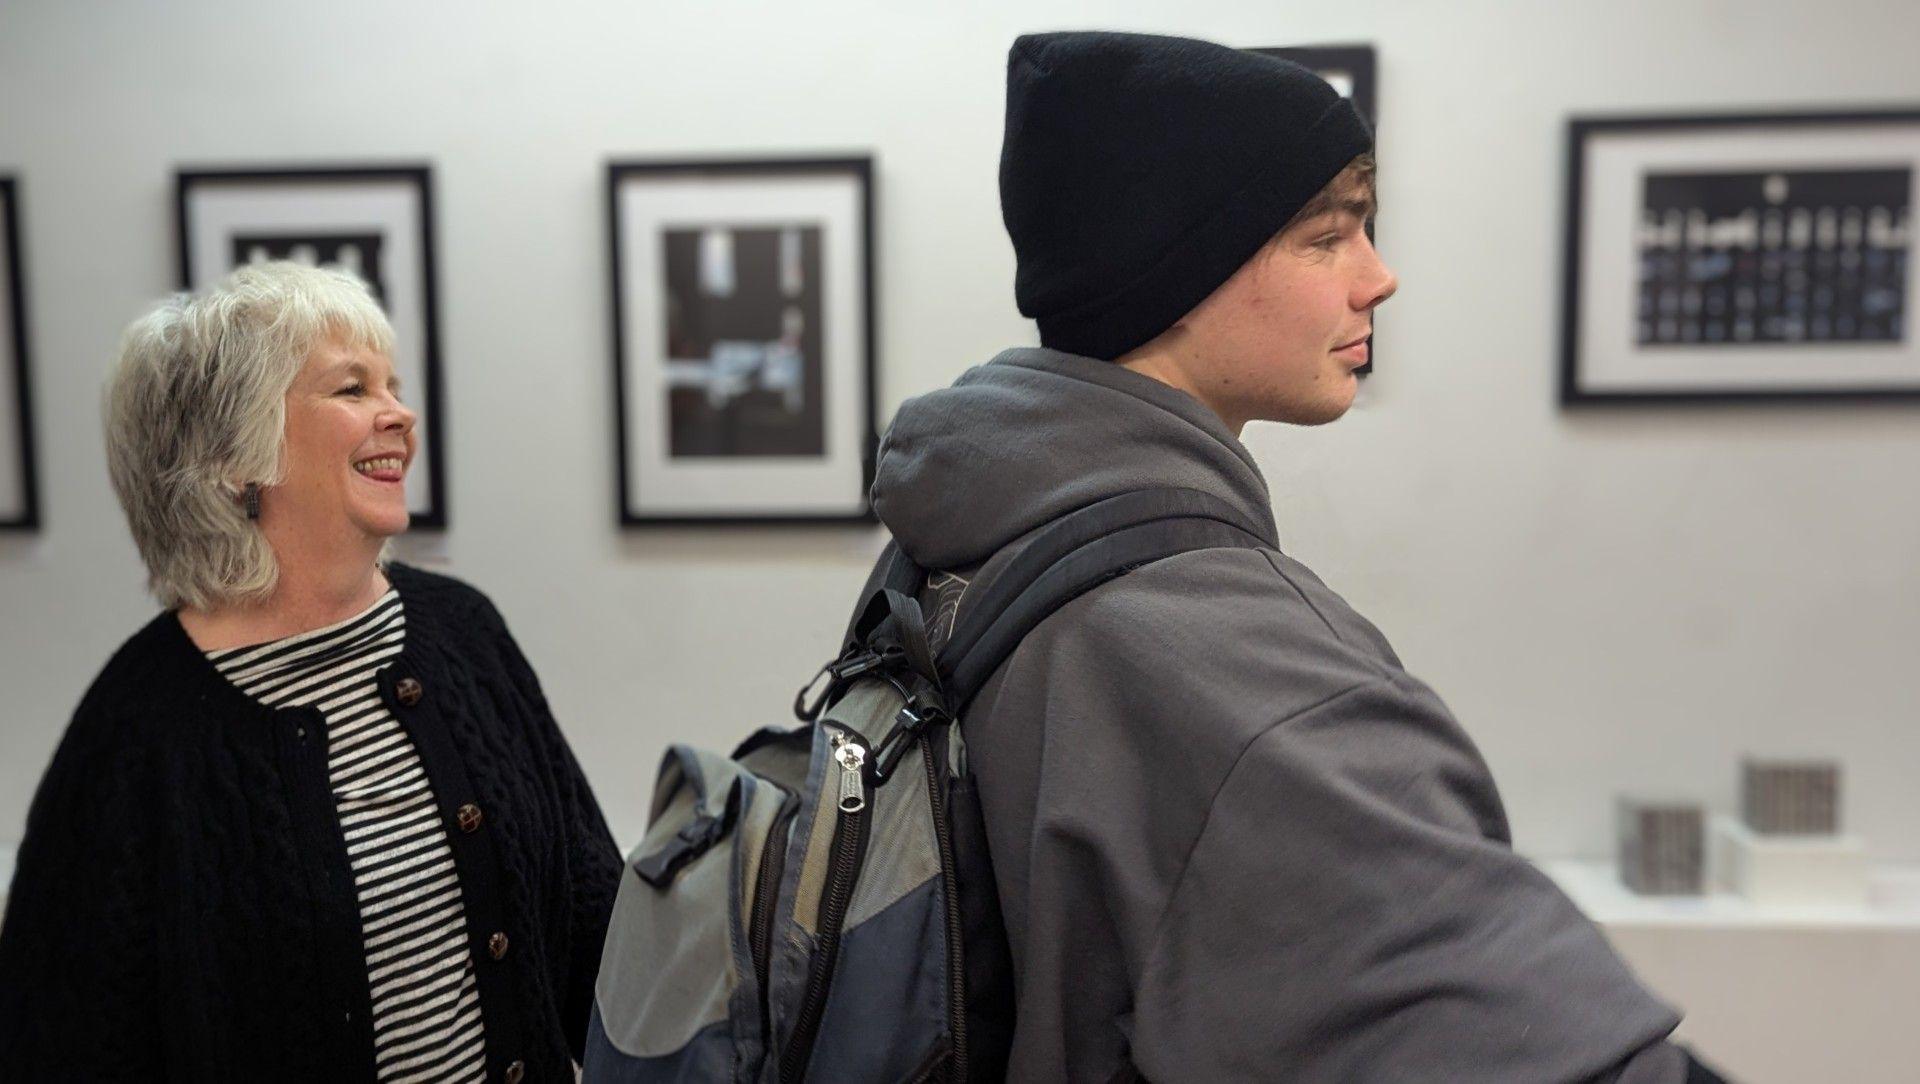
x=1213, y=800
x=1288, y=580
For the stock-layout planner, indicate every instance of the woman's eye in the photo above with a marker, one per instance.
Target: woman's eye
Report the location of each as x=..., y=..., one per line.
x=354, y=389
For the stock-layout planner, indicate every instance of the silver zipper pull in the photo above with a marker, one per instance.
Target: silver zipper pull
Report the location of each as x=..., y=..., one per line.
x=851, y=756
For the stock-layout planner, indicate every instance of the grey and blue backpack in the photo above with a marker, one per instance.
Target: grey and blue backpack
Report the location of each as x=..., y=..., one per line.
x=820, y=905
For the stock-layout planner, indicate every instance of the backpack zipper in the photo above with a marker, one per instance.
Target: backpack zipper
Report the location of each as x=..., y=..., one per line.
x=956, y=960
x=849, y=847
x=766, y=899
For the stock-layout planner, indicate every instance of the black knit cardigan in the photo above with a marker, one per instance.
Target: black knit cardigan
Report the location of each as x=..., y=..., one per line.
x=182, y=905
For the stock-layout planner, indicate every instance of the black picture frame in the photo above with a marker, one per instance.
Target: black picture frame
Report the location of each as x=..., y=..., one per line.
x=657, y=486
x=1626, y=178
x=1357, y=65
x=392, y=193
x=22, y=514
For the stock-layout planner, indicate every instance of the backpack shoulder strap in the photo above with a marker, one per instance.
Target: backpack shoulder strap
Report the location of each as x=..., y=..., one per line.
x=895, y=572
x=1073, y=555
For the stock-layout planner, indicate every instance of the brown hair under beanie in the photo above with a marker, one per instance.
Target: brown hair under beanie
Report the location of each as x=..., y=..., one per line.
x=1139, y=172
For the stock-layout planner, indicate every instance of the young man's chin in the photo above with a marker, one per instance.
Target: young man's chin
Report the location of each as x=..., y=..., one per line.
x=1329, y=405
x=1329, y=415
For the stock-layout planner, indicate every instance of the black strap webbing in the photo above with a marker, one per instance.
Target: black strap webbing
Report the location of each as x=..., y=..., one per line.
x=970, y=665
x=1069, y=557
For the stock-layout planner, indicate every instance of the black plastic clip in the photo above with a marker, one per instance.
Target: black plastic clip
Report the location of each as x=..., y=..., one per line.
x=838, y=672
x=915, y=716
x=805, y=712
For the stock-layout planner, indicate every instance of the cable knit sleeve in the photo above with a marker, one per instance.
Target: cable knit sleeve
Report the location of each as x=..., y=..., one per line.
x=593, y=862
x=77, y=949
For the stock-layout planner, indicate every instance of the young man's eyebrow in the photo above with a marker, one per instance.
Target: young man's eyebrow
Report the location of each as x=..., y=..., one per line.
x=1360, y=205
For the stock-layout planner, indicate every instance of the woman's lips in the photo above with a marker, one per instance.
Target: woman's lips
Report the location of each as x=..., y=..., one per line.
x=390, y=469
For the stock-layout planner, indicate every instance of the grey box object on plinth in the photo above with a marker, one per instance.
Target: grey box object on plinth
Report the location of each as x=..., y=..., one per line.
x=1790, y=797
x=1663, y=847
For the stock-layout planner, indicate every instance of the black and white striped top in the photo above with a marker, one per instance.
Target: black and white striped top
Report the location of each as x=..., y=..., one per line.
x=426, y=1004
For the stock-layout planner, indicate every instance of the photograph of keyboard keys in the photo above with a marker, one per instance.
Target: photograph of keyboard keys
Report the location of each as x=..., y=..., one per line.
x=1789, y=256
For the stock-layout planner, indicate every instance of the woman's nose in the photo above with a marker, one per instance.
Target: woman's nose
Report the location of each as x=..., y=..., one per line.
x=400, y=418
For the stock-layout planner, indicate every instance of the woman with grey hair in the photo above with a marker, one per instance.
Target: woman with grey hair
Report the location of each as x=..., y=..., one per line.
x=315, y=820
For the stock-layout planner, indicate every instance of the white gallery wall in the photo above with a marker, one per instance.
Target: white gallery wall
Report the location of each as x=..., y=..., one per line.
x=1612, y=600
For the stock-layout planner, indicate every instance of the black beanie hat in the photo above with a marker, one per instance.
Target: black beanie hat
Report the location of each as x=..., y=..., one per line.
x=1140, y=172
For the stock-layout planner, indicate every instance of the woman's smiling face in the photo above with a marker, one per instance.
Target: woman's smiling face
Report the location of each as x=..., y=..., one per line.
x=349, y=441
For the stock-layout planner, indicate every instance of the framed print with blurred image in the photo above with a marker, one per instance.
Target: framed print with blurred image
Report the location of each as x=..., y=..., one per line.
x=1740, y=257
x=743, y=340
x=19, y=493
x=373, y=221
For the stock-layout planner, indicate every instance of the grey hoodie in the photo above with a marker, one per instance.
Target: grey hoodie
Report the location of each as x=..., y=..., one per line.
x=1233, y=838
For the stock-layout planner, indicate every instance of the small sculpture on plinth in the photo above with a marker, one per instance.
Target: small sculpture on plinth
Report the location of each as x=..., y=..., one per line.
x=1663, y=850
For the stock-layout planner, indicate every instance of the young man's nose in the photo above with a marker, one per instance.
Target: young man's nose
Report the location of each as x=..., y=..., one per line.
x=1385, y=287
x=1376, y=284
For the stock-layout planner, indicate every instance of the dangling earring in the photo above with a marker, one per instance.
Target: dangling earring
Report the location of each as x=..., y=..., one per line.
x=251, y=498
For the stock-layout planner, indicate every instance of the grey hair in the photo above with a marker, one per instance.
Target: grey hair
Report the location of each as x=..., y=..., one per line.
x=196, y=410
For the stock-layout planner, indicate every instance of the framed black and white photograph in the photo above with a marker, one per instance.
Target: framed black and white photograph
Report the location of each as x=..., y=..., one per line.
x=743, y=330
x=1752, y=257
x=19, y=493
x=374, y=221
x=1350, y=70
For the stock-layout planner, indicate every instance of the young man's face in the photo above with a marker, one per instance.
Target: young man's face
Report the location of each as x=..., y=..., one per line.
x=1280, y=340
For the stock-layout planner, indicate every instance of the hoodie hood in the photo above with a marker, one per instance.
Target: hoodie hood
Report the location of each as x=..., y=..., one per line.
x=1036, y=433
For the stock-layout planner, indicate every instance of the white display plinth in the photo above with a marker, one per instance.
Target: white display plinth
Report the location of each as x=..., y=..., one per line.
x=1790, y=871
x=1773, y=994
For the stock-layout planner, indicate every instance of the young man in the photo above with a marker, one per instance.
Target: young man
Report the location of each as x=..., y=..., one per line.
x=1233, y=839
